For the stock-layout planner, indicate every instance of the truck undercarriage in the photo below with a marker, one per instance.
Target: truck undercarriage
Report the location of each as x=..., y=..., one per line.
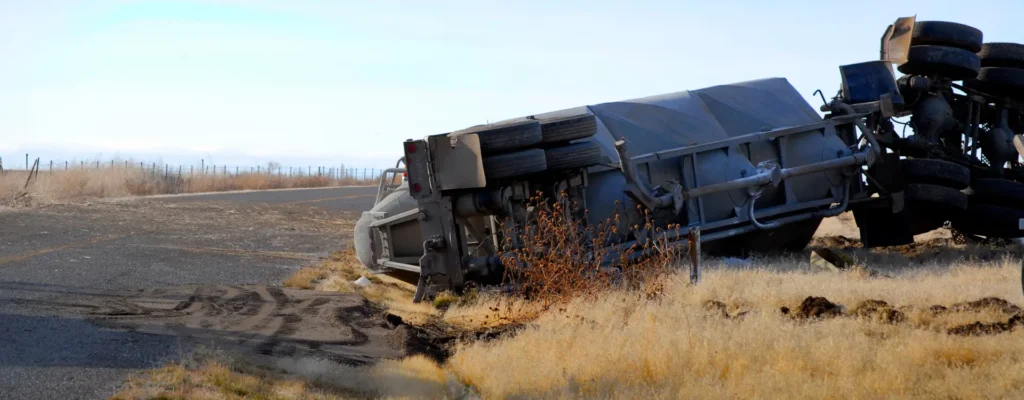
x=749, y=166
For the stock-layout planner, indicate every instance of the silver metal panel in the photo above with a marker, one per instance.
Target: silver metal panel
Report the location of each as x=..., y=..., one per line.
x=457, y=162
x=398, y=218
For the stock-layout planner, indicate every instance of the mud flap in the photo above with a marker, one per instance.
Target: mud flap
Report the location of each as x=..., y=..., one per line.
x=429, y=263
x=880, y=226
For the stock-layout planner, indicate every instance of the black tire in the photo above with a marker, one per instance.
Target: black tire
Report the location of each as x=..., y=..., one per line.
x=1001, y=81
x=510, y=165
x=576, y=155
x=936, y=172
x=943, y=33
x=935, y=196
x=564, y=129
x=509, y=136
x=991, y=221
x=1000, y=192
x=950, y=62
x=1008, y=55
x=930, y=206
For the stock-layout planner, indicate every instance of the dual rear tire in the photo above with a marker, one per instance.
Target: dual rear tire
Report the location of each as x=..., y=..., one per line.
x=945, y=49
x=525, y=147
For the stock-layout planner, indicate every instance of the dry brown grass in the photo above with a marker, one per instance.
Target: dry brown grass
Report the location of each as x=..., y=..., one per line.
x=118, y=181
x=209, y=374
x=625, y=346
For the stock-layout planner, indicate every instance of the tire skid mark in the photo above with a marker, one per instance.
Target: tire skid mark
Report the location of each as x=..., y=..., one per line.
x=268, y=320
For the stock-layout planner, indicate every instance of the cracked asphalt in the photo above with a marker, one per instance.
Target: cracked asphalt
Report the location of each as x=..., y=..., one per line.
x=53, y=257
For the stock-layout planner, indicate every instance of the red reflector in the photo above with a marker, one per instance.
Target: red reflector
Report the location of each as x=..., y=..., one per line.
x=410, y=148
x=416, y=187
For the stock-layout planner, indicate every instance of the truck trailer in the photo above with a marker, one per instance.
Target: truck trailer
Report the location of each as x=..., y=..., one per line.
x=750, y=167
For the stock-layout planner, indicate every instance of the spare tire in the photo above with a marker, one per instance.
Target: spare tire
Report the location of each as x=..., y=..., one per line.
x=564, y=129
x=950, y=62
x=506, y=136
x=1000, y=192
x=510, y=165
x=944, y=33
x=936, y=172
x=576, y=155
x=1008, y=55
x=991, y=221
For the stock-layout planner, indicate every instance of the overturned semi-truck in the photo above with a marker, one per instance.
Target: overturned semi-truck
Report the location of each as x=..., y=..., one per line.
x=751, y=166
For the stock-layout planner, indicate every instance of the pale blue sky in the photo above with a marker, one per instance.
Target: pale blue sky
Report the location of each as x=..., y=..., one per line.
x=350, y=80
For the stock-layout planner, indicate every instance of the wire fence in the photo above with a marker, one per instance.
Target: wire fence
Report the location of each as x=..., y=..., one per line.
x=340, y=172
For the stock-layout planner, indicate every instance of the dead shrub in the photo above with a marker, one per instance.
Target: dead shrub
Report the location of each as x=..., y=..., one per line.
x=558, y=257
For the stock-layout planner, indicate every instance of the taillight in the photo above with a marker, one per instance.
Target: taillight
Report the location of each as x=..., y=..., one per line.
x=416, y=187
x=410, y=147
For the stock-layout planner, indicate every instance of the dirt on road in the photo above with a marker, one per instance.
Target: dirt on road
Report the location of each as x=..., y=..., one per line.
x=263, y=320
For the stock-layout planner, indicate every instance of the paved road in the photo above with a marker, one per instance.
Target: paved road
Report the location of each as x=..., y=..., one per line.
x=51, y=256
x=342, y=199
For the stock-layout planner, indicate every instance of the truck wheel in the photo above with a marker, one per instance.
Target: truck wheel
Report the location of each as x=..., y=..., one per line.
x=564, y=129
x=930, y=206
x=1002, y=81
x=950, y=62
x=943, y=33
x=1007, y=55
x=495, y=138
x=935, y=196
x=1000, y=192
x=509, y=165
x=571, y=156
x=991, y=221
x=936, y=172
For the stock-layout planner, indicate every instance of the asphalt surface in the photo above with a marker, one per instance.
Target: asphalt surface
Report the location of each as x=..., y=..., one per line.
x=52, y=257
